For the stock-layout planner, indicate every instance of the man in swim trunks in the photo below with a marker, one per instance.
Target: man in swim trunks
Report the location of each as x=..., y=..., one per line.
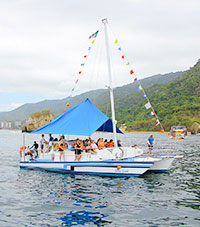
x=150, y=143
x=42, y=143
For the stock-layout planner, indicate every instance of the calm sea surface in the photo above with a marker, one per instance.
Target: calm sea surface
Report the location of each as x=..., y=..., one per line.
x=34, y=198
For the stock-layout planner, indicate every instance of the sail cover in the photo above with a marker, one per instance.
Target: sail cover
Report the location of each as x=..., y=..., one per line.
x=83, y=119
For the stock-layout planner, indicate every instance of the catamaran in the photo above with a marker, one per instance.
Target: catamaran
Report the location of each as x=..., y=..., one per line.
x=83, y=120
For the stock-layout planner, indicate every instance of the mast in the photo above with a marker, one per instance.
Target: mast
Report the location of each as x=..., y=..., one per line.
x=104, y=21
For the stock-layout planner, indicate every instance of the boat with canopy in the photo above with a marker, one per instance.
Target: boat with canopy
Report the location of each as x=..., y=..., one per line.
x=84, y=120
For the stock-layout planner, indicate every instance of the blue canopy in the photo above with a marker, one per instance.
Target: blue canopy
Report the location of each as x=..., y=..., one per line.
x=83, y=119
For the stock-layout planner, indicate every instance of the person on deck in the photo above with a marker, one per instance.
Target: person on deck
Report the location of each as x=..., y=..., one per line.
x=110, y=143
x=100, y=143
x=28, y=152
x=61, y=149
x=93, y=147
x=87, y=146
x=35, y=148
x=50, y=142
x=105, y=142
x=78, y=150
x=119, y=143
x=150, y=143
x=42, y=143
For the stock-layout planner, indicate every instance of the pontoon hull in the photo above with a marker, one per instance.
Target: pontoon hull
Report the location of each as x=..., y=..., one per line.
x=101, y=168
x=161, y=163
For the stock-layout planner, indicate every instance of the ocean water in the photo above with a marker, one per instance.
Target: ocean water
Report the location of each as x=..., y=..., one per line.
x=36, y=198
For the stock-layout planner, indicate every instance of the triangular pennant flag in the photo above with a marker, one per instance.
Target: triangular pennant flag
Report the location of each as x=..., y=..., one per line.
x=157, y=122
x=76, y=81
x=94, y=35
x=122, y=56
x=131, y=71
x=144, y=96
x=93, y=41
x=116, y=41
x=147, y=105
x=69, y=96
x=67, y=104
x=82, y=64
x=135, y=79
x=127, y=63
x=140, y=88
x=152, y=113
x=85, y=56
x=89, y=48
x=119, y=48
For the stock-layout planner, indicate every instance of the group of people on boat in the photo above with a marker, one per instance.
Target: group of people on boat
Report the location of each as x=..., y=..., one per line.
x=87, y=145
x=79, y=146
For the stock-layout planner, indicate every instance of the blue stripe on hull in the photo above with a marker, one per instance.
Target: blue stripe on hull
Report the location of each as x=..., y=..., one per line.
x=97, y=165
x=81, y=173
x=84, y=162
x=157, y=170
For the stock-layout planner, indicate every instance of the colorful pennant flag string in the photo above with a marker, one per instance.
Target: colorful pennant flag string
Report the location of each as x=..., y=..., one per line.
x=147, y=105
x=152, y=113
x=93, y=37
x=135, y=79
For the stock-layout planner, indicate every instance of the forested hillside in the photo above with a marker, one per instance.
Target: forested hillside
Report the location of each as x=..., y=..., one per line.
x=176, y=103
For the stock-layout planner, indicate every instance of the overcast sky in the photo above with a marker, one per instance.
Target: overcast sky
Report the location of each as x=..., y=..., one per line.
x=42, y=44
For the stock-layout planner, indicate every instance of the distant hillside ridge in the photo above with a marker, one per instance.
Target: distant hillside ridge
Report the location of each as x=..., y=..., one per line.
x=98, y=97
x=176, y=103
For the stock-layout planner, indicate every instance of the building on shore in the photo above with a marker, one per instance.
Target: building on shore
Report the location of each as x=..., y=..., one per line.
x=5, y=125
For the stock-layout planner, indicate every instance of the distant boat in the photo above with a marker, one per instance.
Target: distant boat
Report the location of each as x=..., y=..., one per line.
x=178, y=132
x=85, y=119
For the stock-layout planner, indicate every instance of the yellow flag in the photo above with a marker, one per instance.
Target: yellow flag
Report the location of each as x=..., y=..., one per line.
x=140, y=87
x=93, y=41
x=116, y=41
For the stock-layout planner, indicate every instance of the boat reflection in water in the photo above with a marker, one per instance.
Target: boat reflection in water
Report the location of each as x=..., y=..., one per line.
x=84, y=217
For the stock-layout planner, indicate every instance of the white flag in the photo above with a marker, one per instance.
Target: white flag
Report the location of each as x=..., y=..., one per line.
x=148, y=105
x=157, y=122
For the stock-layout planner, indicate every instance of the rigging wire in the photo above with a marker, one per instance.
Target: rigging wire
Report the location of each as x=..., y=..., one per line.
x=136, y=78
x=81, y=71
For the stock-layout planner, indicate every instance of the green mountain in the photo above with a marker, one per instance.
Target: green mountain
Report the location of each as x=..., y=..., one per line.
x=176, y=103
x=98, y=97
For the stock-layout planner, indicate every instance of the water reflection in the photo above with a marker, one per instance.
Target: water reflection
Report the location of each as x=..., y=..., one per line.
x=84, y=217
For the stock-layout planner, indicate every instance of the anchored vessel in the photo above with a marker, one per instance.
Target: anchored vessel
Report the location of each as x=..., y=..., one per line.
x=178, y=132
x=85, y=119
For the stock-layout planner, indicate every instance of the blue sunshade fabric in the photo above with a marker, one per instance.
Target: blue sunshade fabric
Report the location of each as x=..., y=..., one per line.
x=83, y=120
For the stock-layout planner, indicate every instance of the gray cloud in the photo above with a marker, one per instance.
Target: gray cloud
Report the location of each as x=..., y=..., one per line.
x=42, y=42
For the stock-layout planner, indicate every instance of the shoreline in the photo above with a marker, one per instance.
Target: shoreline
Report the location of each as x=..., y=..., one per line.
x=151, y=132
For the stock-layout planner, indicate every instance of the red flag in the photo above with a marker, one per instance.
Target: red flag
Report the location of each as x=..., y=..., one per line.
x=131, y=72
x=135, y=79
x=123, y=56
x=79, y=72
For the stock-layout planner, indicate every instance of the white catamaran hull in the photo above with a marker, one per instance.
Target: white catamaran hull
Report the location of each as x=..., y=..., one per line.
x=125, y=161
x=160, y=164
x=101, y=168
